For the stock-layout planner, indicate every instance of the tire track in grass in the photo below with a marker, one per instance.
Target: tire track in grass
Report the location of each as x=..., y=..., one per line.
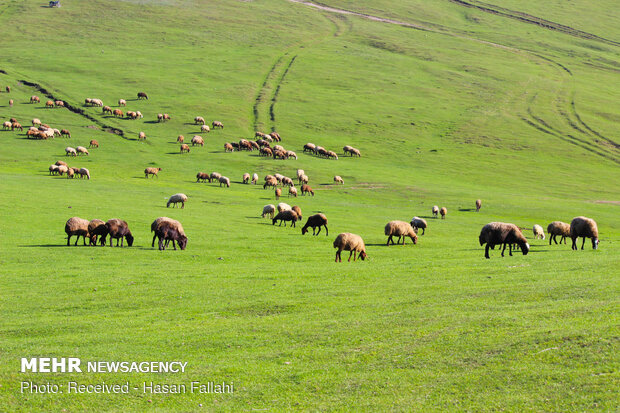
x=272, y=83
x=530, y=19
x=541, y=125
x=585, y=125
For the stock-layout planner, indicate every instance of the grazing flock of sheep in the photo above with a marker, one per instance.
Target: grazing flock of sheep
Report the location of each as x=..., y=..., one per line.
x=166, y=229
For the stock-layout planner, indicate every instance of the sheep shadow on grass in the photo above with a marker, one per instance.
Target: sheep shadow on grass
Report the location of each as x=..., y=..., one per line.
x=151, y=121
x=466, y=209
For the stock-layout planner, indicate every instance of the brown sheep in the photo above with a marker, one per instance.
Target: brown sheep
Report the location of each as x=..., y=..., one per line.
x=142, y=95
x=16, y=125
x=97, y=228
x=287, y=215
x=246, y=178
x=11, y=102
x=271, y=182
x=93, y=143
x=314, y=221
x=305, y=189
x=180, y=139
x=350, y=242
x=217, y=124
x=78, y=227
x=8, y=89
x=184, y=148
x=478, y=205
x=119, y=230
x=197, y=140
x=66, y=133
x=214, y=176
x=199, y=119
x=35, y=99
x=498, y=233
x=278, y=193
x=70, y=173
x=402, y=229
x=264, y=151
x=151, y=171
x=443, y=211
x=169, y=230
x=202, y=176
x=558, y=228
x=228, y=147
x=275, y=136
x=166, y=117
x=297, y=210
x=586, y=228
x=118, y=113
x=49, y=104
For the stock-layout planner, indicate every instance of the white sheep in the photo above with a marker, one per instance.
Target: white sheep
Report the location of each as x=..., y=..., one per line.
x=224, y=180
x=538, y=232
x=176, y=198
x=282, y=206
x=269, y=209
x=254, y=178
x=70, y=151
x=81, y=150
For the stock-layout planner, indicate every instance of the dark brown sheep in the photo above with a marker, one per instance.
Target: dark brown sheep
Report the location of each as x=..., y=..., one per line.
x=498, y=233
x=586, y=228
x=119, y=230
x=97, y=228
x=314, y=221
x=142, y=95
x=166, y=230
x=305, y=189
x=286, y=215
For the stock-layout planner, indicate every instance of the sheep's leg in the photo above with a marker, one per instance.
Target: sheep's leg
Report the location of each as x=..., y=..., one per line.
x=404, y=238
x=351, y=253
x=574, y=244
x=326, y=230
x=174, y=245
x=314, y=228
x=388, y=240
x=84, y=238
x=161, y=244
x=77, y=238
x=504, y=249
x=486, y=251
x=583, y=243
x=68, y=240
x=153, y=242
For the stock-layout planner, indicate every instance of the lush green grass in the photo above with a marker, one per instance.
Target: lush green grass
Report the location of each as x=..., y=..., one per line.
x=441, y=117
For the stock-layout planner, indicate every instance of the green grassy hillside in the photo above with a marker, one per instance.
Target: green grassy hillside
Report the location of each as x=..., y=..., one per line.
x=471, y=104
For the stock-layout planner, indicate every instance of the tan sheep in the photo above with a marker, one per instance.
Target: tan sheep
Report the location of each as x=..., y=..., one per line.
x=122, y=102
x=586, y=228
x=151, y=171
x=199, y=119
x=435, y=210
x=338, y=179
x=205, y=128
x=292, y=191
x=558, y=228
x=443, y=211
x=224, y=180
x=70, y=151
x=81, y=150
x=78, y=227
x=478, y=205
x=401, y=229
x=141, y=136
x=246, y=178
x=84, y=173
x=347, y=241
x=214, y=176
x=180, y=139
x=297, y=210
x=184, y=148
x=278, y=193
x=197, y=140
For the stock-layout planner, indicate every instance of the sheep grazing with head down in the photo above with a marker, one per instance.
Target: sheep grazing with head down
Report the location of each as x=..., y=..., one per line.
x=198, y=140
x=141, y=136
x=292, y=191
x=418, y=223
x=309, y=147
x=184, y=148
x=287, y=215
x=314, y=221
x=558, y=228
x=347, y=241
x=180, y=139
x=81, y=150
x=401, y=229
x=297, y=210
x=166, y=230
x=217, y=124
x=498, y=233
x=254, y=178
x=202, y=176
x=199, y=120
x=305, y=189
x=215, y=176
x=478, y=204
x=84, y=173
x=272, y=181
x=278, y=193
x=443, y=212
x=78, y=227
x=538, y=232
x=270, y=210
x=70, y=151
x=53, y=169
x=93, y=143
x=175, y=199
x=338, y=179
x=246, y=178
x=97, y=228
x=435, y=211
x=586, y=228
x=224, y=180
x=119, y=230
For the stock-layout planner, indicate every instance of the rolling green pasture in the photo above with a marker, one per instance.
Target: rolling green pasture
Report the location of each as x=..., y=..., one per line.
x=473, y=105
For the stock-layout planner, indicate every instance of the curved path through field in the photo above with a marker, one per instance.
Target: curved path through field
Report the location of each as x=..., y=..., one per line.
x=601, y=145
